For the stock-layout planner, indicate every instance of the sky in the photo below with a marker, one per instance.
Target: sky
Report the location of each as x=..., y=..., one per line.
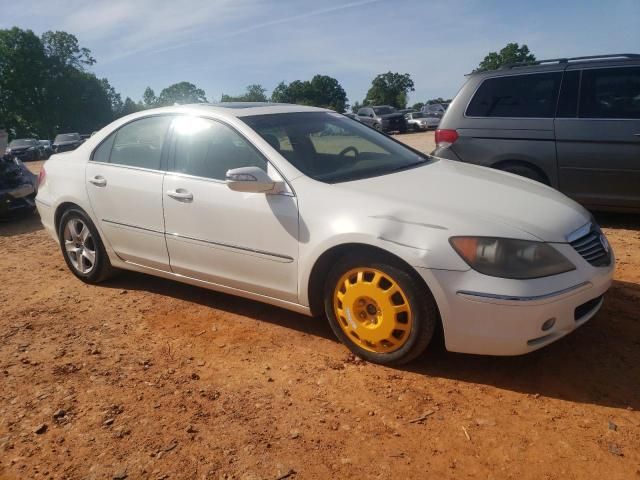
x=224, y=45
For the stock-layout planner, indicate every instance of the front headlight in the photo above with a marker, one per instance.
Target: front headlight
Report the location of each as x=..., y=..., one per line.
x=510, y=258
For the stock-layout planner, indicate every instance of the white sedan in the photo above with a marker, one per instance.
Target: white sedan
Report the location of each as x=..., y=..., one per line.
x=303, y=208
x=418, y=121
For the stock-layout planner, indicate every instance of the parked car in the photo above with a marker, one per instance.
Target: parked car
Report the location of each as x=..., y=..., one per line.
x=352, y=116
x=437, y=109
x=66, y=142
x=47, y=149
x=420, y=121
x=383, y=118
x=17, y=187
x=25, y=149
x=404, y=111
x=303, y=208
x=571, y=123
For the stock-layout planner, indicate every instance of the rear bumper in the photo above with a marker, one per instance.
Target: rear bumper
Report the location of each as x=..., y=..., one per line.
x=46, y=212
x=486, y=323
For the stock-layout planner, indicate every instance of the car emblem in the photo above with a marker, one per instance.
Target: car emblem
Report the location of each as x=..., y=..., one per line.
x=605, y=243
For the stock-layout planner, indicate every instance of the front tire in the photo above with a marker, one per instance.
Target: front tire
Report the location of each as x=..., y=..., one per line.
x=379, y=310
x=82, y=248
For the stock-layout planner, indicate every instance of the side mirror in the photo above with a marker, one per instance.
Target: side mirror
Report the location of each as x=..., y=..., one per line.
x=251, y=179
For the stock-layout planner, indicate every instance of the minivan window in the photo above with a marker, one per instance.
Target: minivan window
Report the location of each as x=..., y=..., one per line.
x=610, y=93
x=568, y=101
x=208, y=148
x=526, y=96
x=139, y=143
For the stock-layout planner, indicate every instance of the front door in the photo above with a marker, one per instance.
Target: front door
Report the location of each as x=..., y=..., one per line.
x=247, y=241
x=124, y=184
x=599, y=149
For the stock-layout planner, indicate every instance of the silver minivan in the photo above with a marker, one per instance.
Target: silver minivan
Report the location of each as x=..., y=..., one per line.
x=571, y=123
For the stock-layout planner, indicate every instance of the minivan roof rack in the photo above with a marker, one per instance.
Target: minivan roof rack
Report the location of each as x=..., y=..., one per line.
x=627, y=56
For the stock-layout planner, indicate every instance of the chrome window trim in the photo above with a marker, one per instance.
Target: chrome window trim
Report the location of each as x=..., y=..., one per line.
x=129, y=167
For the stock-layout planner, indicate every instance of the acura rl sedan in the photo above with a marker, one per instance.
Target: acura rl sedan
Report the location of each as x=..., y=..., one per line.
x=306, y=209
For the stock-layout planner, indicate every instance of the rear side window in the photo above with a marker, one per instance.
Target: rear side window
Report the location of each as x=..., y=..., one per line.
x=610, y=93
x=523, y=96
x=207, y=148
x=139, y=143
x=103, y=152
x=568, y=101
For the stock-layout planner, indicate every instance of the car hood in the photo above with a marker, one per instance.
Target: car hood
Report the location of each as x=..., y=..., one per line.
x=471, y=200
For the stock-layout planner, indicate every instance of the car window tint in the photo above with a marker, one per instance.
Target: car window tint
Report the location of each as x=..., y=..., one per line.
x=532, y=95
x=207, y=148
x=568, y=101
x=103, y=152
x=139, y=143
x=610, y=93
x=331, y=138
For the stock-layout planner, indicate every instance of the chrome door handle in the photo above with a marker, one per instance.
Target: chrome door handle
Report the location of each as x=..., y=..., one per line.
x=98, y=181
x=180, y=194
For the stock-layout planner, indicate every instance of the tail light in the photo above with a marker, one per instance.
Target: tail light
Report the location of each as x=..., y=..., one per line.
x=445, y=138
x=42, y=176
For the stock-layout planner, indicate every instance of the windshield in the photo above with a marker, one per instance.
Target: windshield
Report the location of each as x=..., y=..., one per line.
x=418, y=115
x=384, y=110
x=330, y=148
x=23, y=142
x=67, y=137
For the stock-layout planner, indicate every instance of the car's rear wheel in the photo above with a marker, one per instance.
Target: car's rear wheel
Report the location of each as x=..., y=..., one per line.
x=82, y=247
x=524, y=171
x=379, y=310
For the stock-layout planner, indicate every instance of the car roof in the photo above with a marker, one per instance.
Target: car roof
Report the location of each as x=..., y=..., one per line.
x=245, y=109
x=558, y=64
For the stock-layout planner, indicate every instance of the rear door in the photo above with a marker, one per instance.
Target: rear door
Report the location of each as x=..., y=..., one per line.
x=598, y=137
x=124, y=183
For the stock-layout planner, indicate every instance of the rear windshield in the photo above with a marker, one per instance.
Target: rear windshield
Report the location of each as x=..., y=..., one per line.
x=23, y=142
x=330, y=148
x=67, y=137
x=384, y=110
x=533, y=95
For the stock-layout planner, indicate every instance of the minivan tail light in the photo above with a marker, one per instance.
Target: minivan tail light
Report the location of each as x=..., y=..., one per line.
x=445, y=138
x=42, y=176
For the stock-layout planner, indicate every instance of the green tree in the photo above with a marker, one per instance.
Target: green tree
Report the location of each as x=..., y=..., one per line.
x=129, y=107
x=181, y=93
x=390, y=89
x=254, y=93
x=114, y=97
x=64, y=47
x=511, y=53
x=418, y=106
x=149, y=98
x=431, y=101
x=356, y=106
x=320, y=91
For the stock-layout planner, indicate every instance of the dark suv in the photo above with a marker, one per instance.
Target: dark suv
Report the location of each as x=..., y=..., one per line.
x=571, y=123
x=66, y=142
x=384, y=118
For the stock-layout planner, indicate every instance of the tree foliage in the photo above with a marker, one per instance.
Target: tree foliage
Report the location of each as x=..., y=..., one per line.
x=181, y=93
x=511, y=53
x=418, y=106
x=390, y=89
x=254, y=93
x=321, y=91
x=149, y=99
x=64, y=47
x=433, y=101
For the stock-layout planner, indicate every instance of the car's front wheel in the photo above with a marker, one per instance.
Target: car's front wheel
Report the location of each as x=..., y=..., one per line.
x=82, y=247
x=379, y=310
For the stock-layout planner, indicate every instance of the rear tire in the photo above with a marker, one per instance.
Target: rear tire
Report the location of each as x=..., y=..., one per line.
x=525, y=171
x=82, y=248
x=366, y=315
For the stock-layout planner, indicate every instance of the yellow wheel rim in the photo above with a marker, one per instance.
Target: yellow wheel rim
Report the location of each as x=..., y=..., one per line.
x=372, y=310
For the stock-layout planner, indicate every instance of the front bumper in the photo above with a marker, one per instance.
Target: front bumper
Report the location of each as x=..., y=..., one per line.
x=489, y=316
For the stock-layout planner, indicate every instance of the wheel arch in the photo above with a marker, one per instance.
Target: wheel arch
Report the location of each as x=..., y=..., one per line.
x=61, y=209
x=503, y=164
x=322, y=265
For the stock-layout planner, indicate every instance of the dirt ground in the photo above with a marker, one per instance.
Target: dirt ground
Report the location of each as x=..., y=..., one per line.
x=143, y=378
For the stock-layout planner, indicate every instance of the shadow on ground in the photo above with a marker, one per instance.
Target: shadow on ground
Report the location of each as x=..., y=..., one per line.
x=597, y=364
x=20, y=225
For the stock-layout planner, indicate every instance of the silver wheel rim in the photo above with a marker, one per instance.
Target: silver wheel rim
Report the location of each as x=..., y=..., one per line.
x=79, y=246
